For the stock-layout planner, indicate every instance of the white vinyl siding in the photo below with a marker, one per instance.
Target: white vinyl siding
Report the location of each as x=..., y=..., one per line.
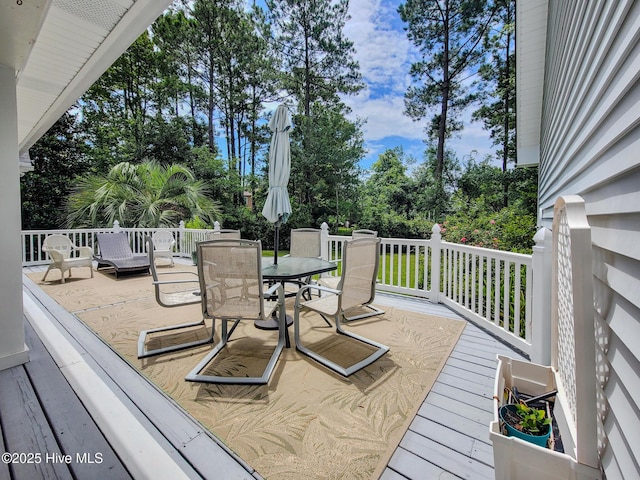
x=590, y=146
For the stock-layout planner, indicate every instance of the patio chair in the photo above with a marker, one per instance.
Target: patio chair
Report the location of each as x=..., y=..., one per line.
x=163, y=243
x=359, y=271
x=231, y=284
x=363, y=233
x=65, y=255
x=179, y=291
x=305, y=242
x=224, y=234
x=334, y=282
x=115, y=253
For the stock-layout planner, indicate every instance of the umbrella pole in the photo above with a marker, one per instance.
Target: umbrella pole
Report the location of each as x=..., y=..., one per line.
x=277, y=241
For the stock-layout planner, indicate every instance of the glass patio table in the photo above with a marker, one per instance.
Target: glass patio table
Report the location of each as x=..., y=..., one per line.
x=290, y=268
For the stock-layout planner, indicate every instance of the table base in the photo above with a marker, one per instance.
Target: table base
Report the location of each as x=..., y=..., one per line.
x=271, y=323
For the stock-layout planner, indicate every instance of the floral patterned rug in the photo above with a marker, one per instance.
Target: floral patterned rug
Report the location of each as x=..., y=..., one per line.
x=307, y=422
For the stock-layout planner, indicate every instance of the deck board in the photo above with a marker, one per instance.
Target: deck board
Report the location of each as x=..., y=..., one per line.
x=445, y=457
x=454, y=421
x=27, y=432
x=43, y=418
x=448, y=438
x=75, y=430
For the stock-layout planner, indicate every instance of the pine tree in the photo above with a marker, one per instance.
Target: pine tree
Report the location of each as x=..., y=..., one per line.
x=317, y=58
x=498, y=77
x=448, y=34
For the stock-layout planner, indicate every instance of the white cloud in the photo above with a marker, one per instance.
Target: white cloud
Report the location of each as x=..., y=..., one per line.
x=383, y=52
x=385, y=117
x=385, y=56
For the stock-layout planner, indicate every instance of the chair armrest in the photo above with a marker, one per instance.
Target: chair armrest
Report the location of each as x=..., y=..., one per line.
x=173, y=282
x=168, y=282
x=317, y=287
x=272, y=290
x=84, y=251
x=55, y=255
x=183, y=272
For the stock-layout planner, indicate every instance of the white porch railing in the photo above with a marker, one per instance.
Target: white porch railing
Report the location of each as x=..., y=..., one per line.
x=490, y=287
x=186, y=239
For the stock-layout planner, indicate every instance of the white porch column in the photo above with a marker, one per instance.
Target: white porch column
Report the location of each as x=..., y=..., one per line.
x=541, y=297
x=13, y=350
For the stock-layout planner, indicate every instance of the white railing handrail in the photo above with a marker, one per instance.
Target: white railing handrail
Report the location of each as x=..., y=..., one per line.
x=491, y=287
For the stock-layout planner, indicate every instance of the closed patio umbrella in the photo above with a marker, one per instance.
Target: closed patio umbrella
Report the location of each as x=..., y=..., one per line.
x=277, y=207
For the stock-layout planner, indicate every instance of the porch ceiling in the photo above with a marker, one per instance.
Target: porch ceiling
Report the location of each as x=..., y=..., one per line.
x=60, y=47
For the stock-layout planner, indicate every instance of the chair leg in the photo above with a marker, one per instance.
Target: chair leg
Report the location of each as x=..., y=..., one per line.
x=196, y=376
x=374, y=311
x=344, y=371
x=46, y=273
x=142, y=338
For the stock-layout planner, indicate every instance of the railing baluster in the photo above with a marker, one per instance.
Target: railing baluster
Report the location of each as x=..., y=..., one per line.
x=496, y=289
x=506, y=296
x=529, y=304
x=517, y=288
x=474, y=282
x=407, y=265
x=480, y=283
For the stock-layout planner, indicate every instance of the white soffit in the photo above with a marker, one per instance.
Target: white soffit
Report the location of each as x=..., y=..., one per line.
x=531, y=40
x=77, y=40
x=19, y=26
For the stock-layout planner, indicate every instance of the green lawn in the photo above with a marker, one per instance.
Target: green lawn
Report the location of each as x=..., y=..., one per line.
x=387, y=260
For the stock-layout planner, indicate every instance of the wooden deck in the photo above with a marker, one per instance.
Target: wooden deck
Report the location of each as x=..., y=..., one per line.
x=43, y=421
x=449, y=438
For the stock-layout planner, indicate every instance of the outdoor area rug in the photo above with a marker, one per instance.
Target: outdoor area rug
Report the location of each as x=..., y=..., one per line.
x=307, y=422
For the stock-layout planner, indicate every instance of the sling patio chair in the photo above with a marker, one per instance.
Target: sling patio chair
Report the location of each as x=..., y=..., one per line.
x=359, y=271
x=224, y=234
x=363, y=233
x=305, y=242
x=163, y=243
x=65, y=255
x=182, y=289
x=333, y=282
x=115, y=253
x=231, y=287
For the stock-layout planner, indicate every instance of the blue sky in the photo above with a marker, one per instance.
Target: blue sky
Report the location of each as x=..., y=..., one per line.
x=385, y=56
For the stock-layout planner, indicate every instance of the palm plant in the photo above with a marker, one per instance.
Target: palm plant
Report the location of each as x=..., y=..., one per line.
x=143, y=195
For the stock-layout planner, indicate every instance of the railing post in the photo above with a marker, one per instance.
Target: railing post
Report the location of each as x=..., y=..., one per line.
x=116, y=226
x=434, y=268
x=216, y=226
x=181, y=236
x=324, y=241
x=541, y=298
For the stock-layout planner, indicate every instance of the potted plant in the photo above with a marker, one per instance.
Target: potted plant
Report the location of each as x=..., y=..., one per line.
x=525, y=422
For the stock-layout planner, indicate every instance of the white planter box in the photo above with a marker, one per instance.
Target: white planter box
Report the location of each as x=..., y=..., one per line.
x=516, y=459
